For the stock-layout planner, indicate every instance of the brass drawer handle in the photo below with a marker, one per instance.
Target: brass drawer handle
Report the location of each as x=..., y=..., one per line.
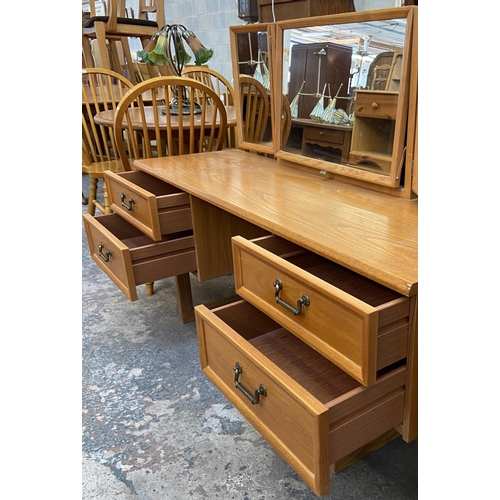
x=261, y=391
x=374, y=105
x=303, y=301
x=104, y=256
x=131, y=202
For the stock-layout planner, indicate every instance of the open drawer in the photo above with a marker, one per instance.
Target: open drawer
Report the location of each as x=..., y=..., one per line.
x=130, y=258
x=151, y=205
x=309, y=410
x=356, y=323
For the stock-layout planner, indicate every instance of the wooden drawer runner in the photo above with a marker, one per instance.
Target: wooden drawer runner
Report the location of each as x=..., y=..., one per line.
x=312, y=413
x=130, y=258
x=154, y=207
x=357, y=324
x=379, y=104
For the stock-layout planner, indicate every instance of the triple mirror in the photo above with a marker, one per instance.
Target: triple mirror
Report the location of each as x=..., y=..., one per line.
x=340, y=87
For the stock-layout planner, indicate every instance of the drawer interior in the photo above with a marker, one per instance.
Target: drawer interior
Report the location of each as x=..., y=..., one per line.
x=318, y=376
x=350, y=282
x=150, y=183
x=133, y=237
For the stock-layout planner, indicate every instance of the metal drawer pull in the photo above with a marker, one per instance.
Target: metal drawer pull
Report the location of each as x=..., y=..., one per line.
x=104, y=256
x=303, y=301
x=254, y=399
x=131, y=202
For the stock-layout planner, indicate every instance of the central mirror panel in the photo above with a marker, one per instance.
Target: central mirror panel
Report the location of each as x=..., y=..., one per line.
x=346, y=79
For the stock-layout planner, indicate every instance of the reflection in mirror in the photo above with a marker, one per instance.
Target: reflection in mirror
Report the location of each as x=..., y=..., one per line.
x=344, y=82
x=251, y=59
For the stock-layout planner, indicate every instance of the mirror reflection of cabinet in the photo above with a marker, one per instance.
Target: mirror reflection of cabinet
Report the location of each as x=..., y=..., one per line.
x=311, y=66
x=373, y=130
x=377, y=87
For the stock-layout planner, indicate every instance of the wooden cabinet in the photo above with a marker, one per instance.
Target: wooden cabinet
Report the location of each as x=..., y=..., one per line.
x=311, y=66
x=293, y=9
x=373, y=129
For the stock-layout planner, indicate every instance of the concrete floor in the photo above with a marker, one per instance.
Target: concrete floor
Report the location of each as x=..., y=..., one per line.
x=155, y=428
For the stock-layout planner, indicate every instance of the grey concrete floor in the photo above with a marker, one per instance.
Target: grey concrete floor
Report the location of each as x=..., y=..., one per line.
x=155, y=428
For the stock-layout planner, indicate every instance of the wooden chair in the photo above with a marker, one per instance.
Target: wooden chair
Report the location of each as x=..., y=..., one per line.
x=222, y=87
x=255, y=108
x=146, y=127
x=381, y=77
x=115, y=28
x=102, y=89
x=286, y=123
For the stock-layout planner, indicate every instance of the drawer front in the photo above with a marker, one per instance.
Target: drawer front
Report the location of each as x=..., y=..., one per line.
x=381, y=105
x=308, y=409
x=293, y=422
x=153, y=206
x=130, y=258
x=340, y=326
x=323, y=135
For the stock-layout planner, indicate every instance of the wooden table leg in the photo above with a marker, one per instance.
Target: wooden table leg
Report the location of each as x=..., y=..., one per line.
x=184, y=298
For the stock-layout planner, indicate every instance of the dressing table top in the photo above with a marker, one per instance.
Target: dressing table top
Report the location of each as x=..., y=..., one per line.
x=370, y=233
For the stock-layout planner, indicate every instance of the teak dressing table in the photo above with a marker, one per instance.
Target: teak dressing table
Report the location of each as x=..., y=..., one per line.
x=372, y=235
x=320, y=353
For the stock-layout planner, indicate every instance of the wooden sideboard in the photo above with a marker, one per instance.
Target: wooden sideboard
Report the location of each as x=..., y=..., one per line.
x=248, y=212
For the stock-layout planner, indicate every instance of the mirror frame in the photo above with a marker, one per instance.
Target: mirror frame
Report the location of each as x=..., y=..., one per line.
x=234, y=31
x=401, y=122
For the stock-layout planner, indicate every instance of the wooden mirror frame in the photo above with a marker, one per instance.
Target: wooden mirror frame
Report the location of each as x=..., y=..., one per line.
x=267, y=147
x=353, y=173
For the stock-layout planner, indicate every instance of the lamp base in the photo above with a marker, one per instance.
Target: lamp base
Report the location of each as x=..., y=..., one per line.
x=185, y=108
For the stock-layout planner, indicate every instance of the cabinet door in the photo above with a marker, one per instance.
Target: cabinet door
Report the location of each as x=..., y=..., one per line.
x=314, y=64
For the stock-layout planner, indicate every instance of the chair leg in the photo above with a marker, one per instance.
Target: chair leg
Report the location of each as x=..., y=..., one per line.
x=106, y=206
x=92, y=196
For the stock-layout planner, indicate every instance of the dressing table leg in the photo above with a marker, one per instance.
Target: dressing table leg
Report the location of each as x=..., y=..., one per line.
x=184, y=298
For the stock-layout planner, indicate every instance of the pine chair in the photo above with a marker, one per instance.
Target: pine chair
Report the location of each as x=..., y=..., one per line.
x=255, y=108
x=146, y=127
x=221, y=85
x=286, y=120
x=115, y=28
x=102, y=89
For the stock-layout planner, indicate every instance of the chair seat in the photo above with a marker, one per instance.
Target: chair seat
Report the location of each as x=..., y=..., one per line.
x=96, y=169
x=89, y=23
